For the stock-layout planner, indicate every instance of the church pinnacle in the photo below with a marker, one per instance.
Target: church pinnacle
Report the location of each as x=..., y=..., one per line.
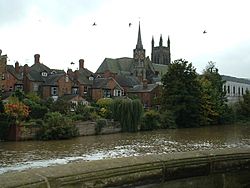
x=139, y=42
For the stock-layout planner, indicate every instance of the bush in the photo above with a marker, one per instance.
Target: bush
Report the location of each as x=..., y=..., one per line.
x=5, y=123
x=105, y=105
x=167, y=120
x=56, y=127
x=150, y=120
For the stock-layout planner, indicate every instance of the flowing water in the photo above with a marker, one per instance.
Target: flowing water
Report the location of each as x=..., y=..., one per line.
x=33, y=154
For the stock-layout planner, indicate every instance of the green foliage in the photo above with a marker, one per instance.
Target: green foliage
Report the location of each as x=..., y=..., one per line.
x=128, y=113
x=104, y=105
x=167, y=120
x=181, y=93
x=37, y=110
x=5, y=122
x=83, y=112
x=34, y=97
x=150, y=120
x=213, y=101
x=56, y=127
x=244, y=106
x=19, y=94
x=60, y=106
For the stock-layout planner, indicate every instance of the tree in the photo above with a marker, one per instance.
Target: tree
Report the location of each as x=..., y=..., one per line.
x=16, y=110
x=213, y=101
x=56, y=127
x=181, y=93
x=245, y=105
x=128, y=112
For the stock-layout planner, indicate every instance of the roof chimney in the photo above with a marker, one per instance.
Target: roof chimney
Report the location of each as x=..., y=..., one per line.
x=17, y=68
x=37, y=58
x=81, y=64
x=25, y=69
x=145, y=83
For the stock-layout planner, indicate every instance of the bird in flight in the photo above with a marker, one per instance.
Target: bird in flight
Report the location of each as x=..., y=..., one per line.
x=129, y=24
x=72, y=63
x=94, y=24
x=204, y=32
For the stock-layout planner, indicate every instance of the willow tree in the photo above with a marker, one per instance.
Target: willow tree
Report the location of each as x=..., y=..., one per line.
x=128, y=112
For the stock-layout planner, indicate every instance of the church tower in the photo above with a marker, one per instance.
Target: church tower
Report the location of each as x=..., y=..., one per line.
x=139, y=58
x=161, y=54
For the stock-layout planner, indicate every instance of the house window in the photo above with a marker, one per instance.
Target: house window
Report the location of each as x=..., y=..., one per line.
x=242, y=91
x=85, y=89
x=234, y=90
x=74, y=90
x=35, y=87
x=11, y=88
x=67, y=78
x=3, y=77
x=107, y=93
x=225, y=88
x=117, y=92
x=45, y=74
x=238, y=90
x=54, y=91
x=19, y=87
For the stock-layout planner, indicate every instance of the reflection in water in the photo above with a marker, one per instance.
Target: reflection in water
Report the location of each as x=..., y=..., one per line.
x=31, y=154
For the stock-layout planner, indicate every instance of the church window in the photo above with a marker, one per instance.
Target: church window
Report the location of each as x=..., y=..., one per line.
x=228, y=89
x=225, y=88
x=242, y=91
x=238, y=90
x=233, y=89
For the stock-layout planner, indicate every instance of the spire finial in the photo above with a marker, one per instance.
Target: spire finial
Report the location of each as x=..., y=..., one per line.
x=139, y=42
x=160, y=43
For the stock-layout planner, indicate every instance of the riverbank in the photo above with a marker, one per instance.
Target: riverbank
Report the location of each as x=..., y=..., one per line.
x=217, y=168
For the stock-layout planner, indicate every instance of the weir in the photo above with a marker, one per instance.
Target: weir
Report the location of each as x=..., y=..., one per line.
x=213, y=168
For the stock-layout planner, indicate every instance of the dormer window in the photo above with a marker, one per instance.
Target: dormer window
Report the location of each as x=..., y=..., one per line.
x=45, y=74
x=67, y=78
x=53, y=72
x=91, y=78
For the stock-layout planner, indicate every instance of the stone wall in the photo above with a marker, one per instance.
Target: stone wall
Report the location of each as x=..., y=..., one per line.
x=218, y=168
x=86, y=128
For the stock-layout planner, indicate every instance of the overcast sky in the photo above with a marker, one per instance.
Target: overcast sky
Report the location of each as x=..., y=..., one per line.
x=61, y=31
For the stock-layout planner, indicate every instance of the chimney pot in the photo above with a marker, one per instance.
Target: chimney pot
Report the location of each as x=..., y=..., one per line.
x=37, y=58
x=17, y=67
x=81, y=64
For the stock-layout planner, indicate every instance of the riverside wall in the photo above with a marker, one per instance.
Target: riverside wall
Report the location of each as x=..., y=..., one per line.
x=215, y=168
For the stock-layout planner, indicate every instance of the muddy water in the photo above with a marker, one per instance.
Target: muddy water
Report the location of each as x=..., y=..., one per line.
x=32, y=154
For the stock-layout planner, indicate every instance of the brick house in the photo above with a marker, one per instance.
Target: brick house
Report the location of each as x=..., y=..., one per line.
x=11, y=77
x=106, y=88
x=83, y=80
x=147, y=93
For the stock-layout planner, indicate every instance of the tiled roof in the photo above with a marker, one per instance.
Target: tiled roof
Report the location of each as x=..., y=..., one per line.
x=119, y=65
x=52, y=79
x=101, y=83
x=141, y=89
x=127, y=80
x=11, y=69
x=234, y=79
x=84, y=75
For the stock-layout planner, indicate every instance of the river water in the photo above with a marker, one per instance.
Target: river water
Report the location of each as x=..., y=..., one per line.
x=32, y=154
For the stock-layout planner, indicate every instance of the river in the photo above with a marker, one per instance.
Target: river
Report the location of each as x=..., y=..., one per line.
x=32, y=154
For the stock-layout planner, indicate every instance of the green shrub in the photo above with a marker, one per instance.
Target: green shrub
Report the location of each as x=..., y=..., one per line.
x=167, y=120
x=150, y=120
x=56, y=127
x=5, y=123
